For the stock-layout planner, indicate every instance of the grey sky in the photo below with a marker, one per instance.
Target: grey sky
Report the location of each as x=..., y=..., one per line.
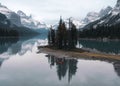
x=50, y=10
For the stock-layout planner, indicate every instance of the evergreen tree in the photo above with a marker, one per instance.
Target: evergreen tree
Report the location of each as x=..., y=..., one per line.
x=63, y=38
x=65, y=35
x=59, y=34
x=51, y=36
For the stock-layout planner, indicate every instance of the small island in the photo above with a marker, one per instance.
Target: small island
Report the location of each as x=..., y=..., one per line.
x=62, y=43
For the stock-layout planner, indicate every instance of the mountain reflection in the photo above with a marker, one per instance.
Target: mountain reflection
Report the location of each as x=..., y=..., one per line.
x=1, y=61
x=107, y=47
x=64, y=66
x=5, y=43
x=117, y=67
x=14, y=46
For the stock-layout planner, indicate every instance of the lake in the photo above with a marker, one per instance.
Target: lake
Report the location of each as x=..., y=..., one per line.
x=111, y=47
x=22, y=65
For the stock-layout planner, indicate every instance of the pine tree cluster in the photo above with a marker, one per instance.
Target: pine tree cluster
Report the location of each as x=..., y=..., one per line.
x=110, y=32
x=63, y=37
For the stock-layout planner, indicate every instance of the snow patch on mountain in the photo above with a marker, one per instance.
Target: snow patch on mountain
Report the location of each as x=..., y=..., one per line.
x=105, y=11
x=12, y=16
x=29, y=22
x=113, y=17
x=91, y=16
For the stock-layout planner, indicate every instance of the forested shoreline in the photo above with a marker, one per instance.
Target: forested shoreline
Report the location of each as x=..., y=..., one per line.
x=101, y=32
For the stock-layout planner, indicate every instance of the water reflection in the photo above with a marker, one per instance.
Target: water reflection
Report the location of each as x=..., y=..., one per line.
x=68, y=67
x=107, y=47
x=1, y=61
x=41, y=71
x=64, y=66
x=13, y=46
x=5, y=43
x=117, y=67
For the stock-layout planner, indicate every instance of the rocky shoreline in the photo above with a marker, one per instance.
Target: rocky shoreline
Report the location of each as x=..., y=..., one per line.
x=76, y=53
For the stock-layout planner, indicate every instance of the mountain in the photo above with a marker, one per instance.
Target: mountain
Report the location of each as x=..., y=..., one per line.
x=10, y=21
x=8, y=29
x=90, y=17
x=29, y=22
x=21, y=19
x=12, y=16
x=107, y=27
x=105, y=11
x=110, y=19
x=76, y=22
x=93, y=16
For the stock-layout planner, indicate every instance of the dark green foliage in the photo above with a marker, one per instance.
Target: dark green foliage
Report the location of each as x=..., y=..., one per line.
x=72, y=35
x=63, y=38
x=111, y=32
x=4, y=32
x=51, y=37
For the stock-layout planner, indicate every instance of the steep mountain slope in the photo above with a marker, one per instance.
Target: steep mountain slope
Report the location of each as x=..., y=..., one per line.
x=105, y=11
x=110, y=19
x=29, y=22
x=90, y=17
x=6, y=26
x=20, y=19
x=12, y=16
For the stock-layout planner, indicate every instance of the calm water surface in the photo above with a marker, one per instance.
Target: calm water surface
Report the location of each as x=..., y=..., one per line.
x=21, y=65
x=111, y=47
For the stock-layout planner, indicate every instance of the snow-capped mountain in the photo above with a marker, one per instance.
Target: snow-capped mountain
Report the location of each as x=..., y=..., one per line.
x=93, y=16
x=21, y=19
x=90, y=17
x=118, y=4
x=76, y=22
x=111, y=18
x=3, y=19
x=29, y=22
x=105, y=11
x=12, y=16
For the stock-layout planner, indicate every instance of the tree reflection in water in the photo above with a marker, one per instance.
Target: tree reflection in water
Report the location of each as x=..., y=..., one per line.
x=63, y=66
x=5, y=43
x=117, y=67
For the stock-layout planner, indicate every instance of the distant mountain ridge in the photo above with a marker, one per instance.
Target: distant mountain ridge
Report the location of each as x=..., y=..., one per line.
x=21, y=19
x=28, y=21
x=12, y=16
x=8, y=29
x=110, y=19
x=90, y=17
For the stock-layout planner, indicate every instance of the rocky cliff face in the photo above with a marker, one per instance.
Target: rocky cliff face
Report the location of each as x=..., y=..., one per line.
x=105, y=11
x=118, y=3
x=29, y=21
x=12, y=16
x=110, y=19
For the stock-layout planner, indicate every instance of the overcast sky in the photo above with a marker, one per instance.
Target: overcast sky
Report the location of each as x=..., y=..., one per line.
x=50, y=10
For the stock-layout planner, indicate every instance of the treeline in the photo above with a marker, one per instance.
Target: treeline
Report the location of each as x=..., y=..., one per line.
x=6, y=43
x=5, y=29
x=8, y=33
x=63, y=37
x=110, y=32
